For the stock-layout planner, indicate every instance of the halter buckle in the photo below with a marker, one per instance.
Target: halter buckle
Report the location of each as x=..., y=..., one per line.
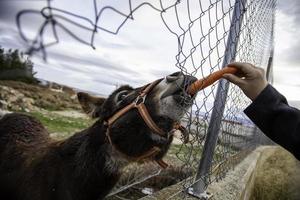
x=140, y=99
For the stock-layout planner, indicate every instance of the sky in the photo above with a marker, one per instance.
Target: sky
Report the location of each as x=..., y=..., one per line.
x=287, y=49
x=142, y=51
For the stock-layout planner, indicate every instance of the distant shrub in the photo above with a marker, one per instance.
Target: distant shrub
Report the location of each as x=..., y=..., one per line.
x=15, y=66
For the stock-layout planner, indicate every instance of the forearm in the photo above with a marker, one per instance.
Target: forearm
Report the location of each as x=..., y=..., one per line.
x=271, y=113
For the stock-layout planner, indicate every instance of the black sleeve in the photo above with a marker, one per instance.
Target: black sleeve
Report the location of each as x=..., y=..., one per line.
x=280, y=122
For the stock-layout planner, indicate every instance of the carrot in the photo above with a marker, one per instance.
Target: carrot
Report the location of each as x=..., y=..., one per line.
x=207, y=81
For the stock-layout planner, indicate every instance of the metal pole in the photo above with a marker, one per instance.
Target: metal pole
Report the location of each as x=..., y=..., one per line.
x=263, y=139
x=269, y=72
x=199, y=187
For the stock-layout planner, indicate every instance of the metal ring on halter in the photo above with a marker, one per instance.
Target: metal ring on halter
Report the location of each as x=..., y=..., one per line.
x=140, y=99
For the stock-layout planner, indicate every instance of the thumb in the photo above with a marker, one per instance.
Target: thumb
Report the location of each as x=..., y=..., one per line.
x=233, y=79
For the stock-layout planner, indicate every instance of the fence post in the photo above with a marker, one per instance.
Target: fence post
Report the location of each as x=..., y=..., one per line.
x=262, y=138
x=201, y=182
x=269, y=72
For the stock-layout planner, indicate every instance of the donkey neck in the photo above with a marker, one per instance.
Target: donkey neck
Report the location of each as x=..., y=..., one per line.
x=91, y=147
x=93, y=161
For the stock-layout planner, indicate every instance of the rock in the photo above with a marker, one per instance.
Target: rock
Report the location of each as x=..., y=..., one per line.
x=3, y=112
x=20, y=96
x=3, y=105
x=11, y=99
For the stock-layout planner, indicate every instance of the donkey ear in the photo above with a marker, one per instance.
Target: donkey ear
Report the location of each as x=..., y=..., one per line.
x=91, y=105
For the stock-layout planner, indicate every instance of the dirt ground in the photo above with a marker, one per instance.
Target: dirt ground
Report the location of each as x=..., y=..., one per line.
x=277, y=176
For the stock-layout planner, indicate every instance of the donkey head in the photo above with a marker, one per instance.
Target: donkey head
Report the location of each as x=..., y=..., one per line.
x=166, y=103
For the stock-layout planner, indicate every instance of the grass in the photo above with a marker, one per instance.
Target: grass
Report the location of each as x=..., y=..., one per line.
x=277, y=177
x=183, y=154
x=61, y=126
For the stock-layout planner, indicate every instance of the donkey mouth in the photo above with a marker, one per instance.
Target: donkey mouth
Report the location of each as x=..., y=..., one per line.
x=172, y=97
x=173, y=90
x=180, y=96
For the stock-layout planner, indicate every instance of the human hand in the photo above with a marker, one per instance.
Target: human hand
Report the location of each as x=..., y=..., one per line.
x=250, y=79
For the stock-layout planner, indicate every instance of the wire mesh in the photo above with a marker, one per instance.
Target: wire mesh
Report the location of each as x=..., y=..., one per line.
x=202, y=29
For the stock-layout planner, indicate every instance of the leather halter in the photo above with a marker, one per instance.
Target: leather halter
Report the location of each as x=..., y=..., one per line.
x=138, y=103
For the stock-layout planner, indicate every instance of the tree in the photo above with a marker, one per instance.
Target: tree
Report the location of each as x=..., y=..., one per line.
x=2, y=56
x=14, y=60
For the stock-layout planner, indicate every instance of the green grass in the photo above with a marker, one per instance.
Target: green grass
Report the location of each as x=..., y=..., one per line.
x=60, y=125
x=184, y=154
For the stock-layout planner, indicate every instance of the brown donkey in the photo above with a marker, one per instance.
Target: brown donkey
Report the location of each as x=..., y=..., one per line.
x=133, y=125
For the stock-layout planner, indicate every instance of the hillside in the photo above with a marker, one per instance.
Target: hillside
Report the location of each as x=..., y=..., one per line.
x=19, y=96
x=57, y=109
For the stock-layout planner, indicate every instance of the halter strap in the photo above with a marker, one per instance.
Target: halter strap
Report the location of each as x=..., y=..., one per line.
x=139, y=103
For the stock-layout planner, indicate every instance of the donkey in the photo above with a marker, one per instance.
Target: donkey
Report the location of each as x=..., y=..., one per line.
x=133, y=125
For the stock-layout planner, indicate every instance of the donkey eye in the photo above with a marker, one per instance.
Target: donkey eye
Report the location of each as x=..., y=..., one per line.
x=122, y=95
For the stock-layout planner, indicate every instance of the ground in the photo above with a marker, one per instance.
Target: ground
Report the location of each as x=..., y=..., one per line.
x=277, y=176
x=269, y=172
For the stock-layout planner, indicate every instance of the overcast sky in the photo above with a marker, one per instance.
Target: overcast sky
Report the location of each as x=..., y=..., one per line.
x=141, y=52
x=287, y=49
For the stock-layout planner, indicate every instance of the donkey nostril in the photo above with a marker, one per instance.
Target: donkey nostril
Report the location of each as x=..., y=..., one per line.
x=173, y=77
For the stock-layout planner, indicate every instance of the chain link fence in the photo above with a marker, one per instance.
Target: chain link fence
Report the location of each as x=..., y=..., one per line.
x=210, y=34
